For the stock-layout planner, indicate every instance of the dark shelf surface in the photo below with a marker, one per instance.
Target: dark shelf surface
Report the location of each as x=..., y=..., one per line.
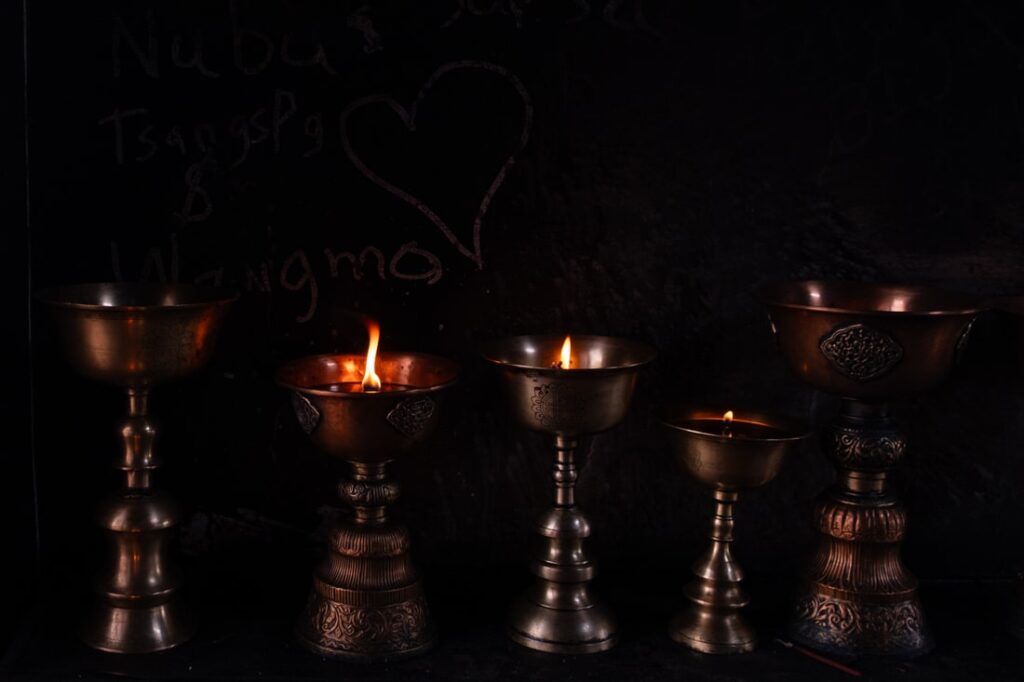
x=253, y=642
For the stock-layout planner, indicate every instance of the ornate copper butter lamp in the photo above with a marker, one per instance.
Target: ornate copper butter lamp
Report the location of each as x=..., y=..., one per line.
x=565, y=389
x=728, y=454
x=137, y=336
x=868, y=344
x=367, y=600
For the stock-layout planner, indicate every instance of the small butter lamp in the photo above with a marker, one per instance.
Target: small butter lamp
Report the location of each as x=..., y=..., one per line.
x=729, y=453
x=137, y=336
x=367, y=601
x=566, y=388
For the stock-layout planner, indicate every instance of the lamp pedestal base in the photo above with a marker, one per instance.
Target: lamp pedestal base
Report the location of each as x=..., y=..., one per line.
x=138, y=607
x=559, y=614
x=151, y=629
x=860, y=599
x=712, y=623
x=367, y=600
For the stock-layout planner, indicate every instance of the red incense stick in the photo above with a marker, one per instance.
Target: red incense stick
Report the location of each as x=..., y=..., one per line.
x=819, y=658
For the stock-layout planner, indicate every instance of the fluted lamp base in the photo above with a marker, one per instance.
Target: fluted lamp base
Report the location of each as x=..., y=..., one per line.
x=712, y=622
x=137, y=630
x=860, y=599
x=855, y=627
x=571, y=630
x=712, y=627
x=387, y=626
x=559, y=614
x=367, y=601
x=730, y=635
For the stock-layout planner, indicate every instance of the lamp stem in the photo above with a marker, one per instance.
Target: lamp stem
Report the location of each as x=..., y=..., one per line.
x=564, y=471
x=371, y=506
x=138, y=401
x=712, y=622
x=138, y=435
x=138, y=606
x=559, y=614
x=724, y=522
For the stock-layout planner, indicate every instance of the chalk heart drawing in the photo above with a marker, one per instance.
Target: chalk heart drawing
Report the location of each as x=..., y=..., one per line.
x=408, y=117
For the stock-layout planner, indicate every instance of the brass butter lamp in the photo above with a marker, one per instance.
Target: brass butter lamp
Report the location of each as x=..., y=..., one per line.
x=137, y=336
x=367, y=601
x=566, y=389
x=868, y=344
x=728, y=453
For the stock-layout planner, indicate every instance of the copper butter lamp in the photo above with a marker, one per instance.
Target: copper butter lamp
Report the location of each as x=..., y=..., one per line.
x=565, y=389
x=137, y=336
x=869, y=344
x=367, y=600
x=728, y=453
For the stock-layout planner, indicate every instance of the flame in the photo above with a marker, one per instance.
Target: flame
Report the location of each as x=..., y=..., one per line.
x=566, y=360
x=371, y=382
x=727, y=417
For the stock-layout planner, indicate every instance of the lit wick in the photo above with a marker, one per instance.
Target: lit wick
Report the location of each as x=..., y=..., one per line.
x=727, y=424
x=371, y=382
x=566, y=357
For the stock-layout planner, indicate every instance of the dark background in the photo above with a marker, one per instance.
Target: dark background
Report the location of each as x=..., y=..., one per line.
x=637, y=168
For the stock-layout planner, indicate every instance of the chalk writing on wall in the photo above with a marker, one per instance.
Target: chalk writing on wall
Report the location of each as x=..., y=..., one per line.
x=300, y=272
x=408, y=117
x=139, y=129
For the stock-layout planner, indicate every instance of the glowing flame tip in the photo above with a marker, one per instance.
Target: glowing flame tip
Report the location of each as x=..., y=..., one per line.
x=727, y=417
x=566, y=359
x=371, y=382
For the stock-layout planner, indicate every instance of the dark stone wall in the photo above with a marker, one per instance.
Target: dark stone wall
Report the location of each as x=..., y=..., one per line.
x=678, y=157
x=17, y=498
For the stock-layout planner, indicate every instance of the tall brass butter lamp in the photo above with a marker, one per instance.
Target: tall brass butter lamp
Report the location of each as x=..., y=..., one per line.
x=728, y=453
x=137, y=336
x=565, y=388
x=869, y=344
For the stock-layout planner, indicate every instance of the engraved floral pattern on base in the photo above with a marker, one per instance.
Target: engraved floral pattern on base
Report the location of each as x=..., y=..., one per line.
x=848, y=627
x=365, y=630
